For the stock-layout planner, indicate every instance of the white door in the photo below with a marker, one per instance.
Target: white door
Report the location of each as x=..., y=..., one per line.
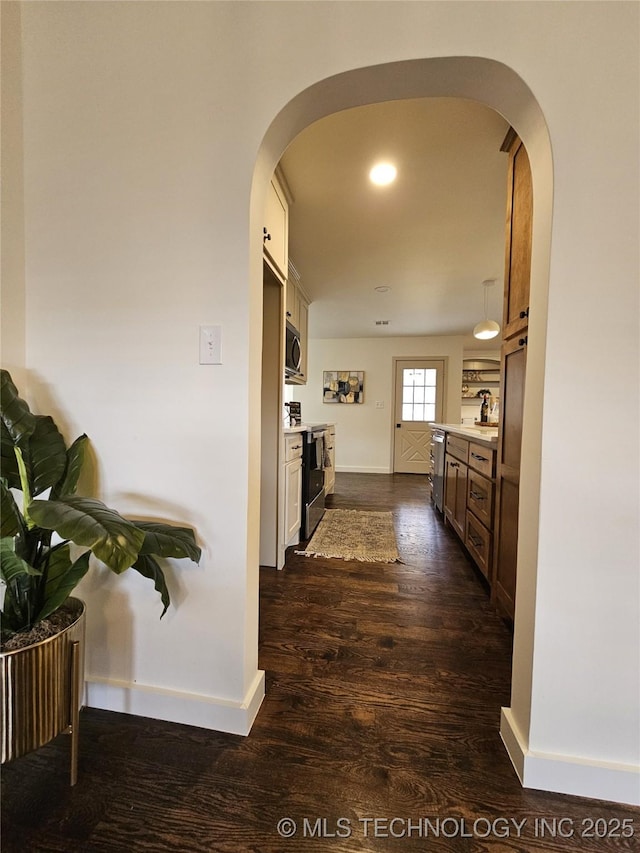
x=418, y=402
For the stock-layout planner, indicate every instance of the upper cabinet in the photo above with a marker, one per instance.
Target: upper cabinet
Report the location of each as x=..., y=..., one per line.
x=297, y=313
x=518, y=239
x=275, y=233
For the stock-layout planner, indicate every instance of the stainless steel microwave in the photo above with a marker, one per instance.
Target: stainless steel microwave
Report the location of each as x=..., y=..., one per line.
x=292, y=353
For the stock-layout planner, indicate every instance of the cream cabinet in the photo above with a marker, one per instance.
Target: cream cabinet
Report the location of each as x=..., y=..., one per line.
x=275, y=232
x=297, y=313
x=330, y=451
x=292, y=488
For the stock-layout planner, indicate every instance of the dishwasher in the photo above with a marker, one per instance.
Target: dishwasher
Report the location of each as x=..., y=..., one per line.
x=438, y=468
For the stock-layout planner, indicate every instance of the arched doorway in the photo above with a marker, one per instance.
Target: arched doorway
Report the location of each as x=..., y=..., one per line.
x=500, y=88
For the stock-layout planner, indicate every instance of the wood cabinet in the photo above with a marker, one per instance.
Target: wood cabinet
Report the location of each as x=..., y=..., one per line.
x=455, y=493
x=275, y=232
x=292, y=485
x=515, y=317
x=330, y=451
x=515, y=323
x=469, y=492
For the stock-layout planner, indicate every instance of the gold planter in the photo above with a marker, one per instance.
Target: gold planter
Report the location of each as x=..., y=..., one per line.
x=42, y=691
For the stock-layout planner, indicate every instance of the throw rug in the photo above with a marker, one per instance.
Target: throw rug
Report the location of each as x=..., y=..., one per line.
x=349, y=534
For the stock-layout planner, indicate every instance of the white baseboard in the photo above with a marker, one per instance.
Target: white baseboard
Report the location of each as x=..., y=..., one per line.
x=562, y=774
x=174, y=706
x=356, y=469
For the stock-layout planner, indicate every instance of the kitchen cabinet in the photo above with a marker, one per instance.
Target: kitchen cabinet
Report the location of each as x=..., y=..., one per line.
x=297, y=313
x=517, y=275
x=275, y=233
x=469, y=493
x=330, y=452
x=513, y=362
x=292, y=486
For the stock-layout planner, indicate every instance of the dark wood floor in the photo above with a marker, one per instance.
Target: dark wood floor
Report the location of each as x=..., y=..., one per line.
x=384, y=688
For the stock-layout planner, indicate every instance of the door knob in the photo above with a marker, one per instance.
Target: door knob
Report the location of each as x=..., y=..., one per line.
x=398, y=426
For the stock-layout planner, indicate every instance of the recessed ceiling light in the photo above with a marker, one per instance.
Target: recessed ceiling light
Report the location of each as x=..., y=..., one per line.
x=382, y=288
x=383, y=174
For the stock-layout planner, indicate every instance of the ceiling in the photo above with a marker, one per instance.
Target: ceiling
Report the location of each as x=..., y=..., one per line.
x=432, y=236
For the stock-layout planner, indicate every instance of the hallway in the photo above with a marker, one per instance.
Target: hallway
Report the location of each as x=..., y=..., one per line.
x=384, y=688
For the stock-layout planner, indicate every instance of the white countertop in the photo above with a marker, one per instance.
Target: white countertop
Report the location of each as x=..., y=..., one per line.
x=488, y=434
x=305, y=428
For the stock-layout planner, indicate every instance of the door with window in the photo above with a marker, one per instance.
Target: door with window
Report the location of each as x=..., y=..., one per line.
x=418, y=402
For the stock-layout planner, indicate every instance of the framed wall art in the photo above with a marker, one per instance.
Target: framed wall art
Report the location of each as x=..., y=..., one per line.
x=343, y=386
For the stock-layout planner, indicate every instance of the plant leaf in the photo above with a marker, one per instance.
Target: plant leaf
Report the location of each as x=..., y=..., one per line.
x=66, y=583
x=16, y=415
x=47, y=455
x=148, y=568
x=12, y=566
x=75, y=461
x=87, y=521
x=8, y=458
x=165, y=540
x=24, y=485
x=10, y=519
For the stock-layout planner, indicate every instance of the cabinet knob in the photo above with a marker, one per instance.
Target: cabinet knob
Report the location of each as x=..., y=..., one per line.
x=523, y=341
x=524, y=314
x=265, y=235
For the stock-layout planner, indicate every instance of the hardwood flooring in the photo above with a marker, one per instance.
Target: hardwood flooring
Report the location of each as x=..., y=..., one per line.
x=384, y=688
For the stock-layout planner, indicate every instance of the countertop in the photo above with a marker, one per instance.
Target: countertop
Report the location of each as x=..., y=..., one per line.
x=305, y=428
x=483, y=435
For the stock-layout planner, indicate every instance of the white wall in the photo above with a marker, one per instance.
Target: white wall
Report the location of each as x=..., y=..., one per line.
x=142, y=125
x=364, y=433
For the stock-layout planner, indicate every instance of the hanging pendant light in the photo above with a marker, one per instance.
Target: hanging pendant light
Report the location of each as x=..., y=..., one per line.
x=486, y=329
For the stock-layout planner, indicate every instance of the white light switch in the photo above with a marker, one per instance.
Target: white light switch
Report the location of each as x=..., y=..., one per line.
x=379, y=404
x=210, y=344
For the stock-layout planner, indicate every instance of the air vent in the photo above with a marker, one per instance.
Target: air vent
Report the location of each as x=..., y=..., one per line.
x=382, y=322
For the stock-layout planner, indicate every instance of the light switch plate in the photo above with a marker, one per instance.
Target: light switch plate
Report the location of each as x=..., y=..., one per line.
x=379, y=404
x=210, y=344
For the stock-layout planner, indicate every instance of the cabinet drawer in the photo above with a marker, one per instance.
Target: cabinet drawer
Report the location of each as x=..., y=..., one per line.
x=482, y=459
x=458, y=447
x=478, y=541
x=480, y=497
x=292, y=446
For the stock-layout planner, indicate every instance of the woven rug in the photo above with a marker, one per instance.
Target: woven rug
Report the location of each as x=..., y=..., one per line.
x=349, y=534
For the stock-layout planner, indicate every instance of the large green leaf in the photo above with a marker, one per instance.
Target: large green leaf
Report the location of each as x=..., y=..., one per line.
x=165, y=540
x=60, y=587
x=16, y=416
x=47, y=455
x=12, y=566
x=148, y=567
x=75, y=461
x=10, y=518
x=8, y=460
x=86, y=521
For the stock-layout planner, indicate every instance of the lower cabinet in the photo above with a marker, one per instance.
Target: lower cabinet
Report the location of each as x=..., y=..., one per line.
x=291, y=494
x=330, y=450
x=469, y=496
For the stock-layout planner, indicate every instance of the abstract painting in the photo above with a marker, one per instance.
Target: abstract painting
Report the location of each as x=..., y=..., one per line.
x=343, y=386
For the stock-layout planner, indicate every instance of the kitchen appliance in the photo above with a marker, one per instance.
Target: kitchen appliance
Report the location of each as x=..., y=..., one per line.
x=312, y=478
x=437, y=440
x=292, y=352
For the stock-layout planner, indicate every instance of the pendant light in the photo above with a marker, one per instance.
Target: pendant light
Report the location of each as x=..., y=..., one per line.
x=486, y=329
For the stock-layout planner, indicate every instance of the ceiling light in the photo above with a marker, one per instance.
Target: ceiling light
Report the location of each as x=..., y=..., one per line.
x=486, y=329
x=383, y=174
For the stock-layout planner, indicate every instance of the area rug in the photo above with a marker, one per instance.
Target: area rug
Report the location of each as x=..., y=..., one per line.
x=349, y=534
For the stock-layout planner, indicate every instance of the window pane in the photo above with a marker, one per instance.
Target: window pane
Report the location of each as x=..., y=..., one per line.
x=430, y=376
x=418, y=412
x=407, y=412
x=418, y=394
x=430, y=395
x=430, y=412
x=407, y=394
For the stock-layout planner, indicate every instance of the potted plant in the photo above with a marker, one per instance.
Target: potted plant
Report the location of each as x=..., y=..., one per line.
x=42, y=626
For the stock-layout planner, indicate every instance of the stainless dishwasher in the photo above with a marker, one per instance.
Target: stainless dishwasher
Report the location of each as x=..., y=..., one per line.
x=438, y=468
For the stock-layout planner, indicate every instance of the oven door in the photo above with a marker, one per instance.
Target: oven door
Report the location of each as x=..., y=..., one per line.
x=312, y=481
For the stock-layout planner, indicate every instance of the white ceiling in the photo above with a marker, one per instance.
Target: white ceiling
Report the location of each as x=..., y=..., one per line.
x=432, y=236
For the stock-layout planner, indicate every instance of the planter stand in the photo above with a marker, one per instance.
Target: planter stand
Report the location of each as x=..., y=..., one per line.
x=42, y=692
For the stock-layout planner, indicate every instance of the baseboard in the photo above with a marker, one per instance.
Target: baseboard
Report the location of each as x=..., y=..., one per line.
x=356, y=469
x=562, y=774
x=207, y=712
